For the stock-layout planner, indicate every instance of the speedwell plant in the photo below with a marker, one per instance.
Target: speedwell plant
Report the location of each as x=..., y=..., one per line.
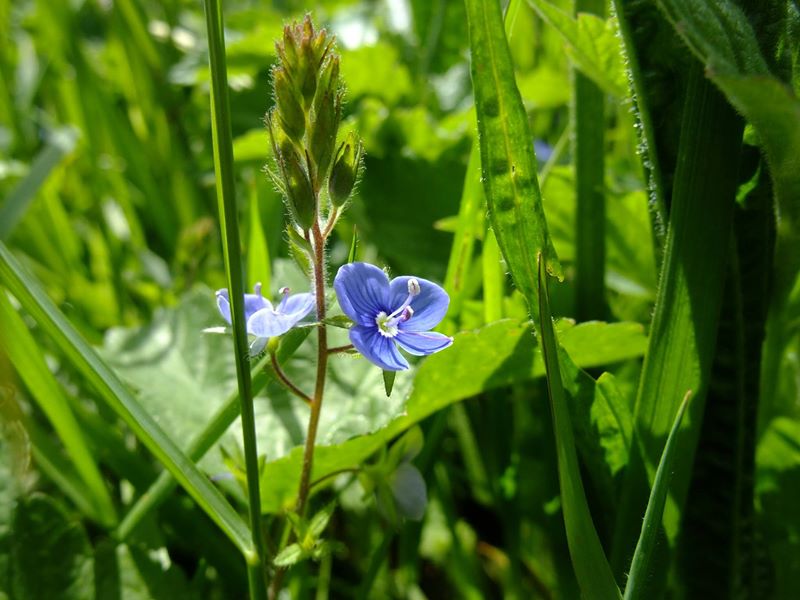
x=316, y=174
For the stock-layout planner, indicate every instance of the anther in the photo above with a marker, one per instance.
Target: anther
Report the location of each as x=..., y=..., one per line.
x=413, y=287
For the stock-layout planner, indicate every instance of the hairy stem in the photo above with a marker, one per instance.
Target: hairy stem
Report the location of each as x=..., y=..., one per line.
x=284, y=379
x=322, y=363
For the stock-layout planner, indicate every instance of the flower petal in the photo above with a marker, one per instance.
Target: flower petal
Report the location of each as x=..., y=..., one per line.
x=270, y=323
x=376, y=348
x=252, y=303
x=224, y=304
x=363, y=291
x=421, y=344
x=430, y=305
x=298, y=305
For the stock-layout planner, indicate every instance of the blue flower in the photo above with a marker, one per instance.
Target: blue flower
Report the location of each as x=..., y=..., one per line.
x=264, y=321
x=401, y=311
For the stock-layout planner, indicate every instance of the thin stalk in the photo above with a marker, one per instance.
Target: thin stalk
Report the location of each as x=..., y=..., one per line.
x=322, y=364
x=340, y=349
x=284, y=379
x=223, y=162
x=590, y=215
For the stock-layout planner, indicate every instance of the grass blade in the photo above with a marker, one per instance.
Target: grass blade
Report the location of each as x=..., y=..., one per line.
x=590, y=214
x=32, y=368
x=61, y=143
x=508, y=162
x=642, y=557
x=222, y=140
x=33, y=298
x=588, y=559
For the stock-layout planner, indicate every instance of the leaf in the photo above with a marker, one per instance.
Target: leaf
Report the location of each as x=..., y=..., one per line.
x=643, y=556
x=721, y=36
x=100, y=376
x=508, y=162
x=592, y=45
x=33, y=370
x=388, y=382
x=60, y=144
x=495, y=356
x=50, y=555
x=289, y=556
x=588, y=559
x=128, y=572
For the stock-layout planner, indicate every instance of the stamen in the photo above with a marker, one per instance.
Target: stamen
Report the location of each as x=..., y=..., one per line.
x=413, y=287
x=284, y=291
x=257, y=288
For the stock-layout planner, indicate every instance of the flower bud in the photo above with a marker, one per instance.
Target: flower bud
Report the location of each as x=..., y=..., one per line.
x=299, y=193
x=345, y=170
x=323, y=135
x=292, y=116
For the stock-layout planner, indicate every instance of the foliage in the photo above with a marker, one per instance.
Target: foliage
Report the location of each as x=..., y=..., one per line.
x=608, y=194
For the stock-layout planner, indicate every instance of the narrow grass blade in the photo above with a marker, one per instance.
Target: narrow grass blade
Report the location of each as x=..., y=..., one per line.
x=588, y=559
x=33, y=298
x=258, y=263
x=508, y=162
x=470, y=219
x=590, y=213
x=222, y=140
x=45, y=389
x=61, y=143
x=493, y=279
x=642, y=557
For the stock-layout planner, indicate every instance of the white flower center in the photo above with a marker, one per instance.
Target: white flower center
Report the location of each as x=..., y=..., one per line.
x=387, y=325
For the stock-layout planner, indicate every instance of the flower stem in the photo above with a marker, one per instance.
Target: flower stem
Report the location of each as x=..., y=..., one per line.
x=322, y=363
x=340, y=349
x=284, y=379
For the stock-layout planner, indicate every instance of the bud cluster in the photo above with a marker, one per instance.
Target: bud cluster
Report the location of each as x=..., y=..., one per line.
x=304, y=124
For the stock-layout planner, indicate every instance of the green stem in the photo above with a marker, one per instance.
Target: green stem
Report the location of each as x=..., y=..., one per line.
x=590, y=216
x=223, y=159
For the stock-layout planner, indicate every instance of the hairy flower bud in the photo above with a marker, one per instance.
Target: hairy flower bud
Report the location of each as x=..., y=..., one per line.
x=345, y=170
x=291, y=114
x=299, y=193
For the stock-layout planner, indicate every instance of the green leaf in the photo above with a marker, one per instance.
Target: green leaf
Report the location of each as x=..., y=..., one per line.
x=289, y=556
x=388, y=382
x=61, y=143
x=50, y=554
x=721, y=36
x=320, y=521
x=258, y=263
x=128, y=572
x=684, y=326
x=592, y=45
x=495, y=356
x=508, y=162
x=588, y=559
x=222, y=144
x=78, y=352
x=642, y=562
x=32, y=368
